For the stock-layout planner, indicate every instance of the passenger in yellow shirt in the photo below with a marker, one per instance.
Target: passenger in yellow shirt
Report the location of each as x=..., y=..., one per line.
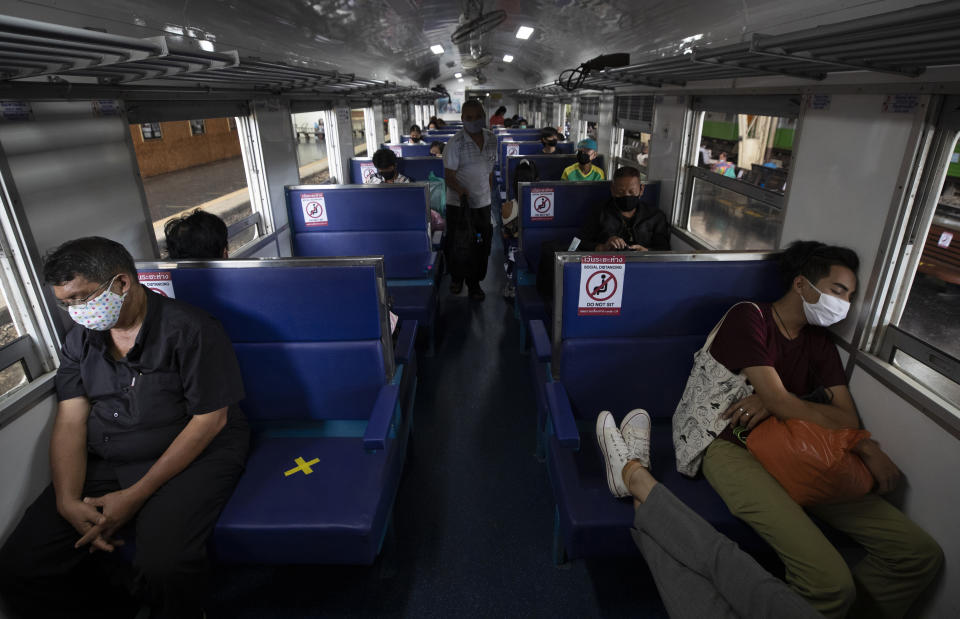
x=584, y=170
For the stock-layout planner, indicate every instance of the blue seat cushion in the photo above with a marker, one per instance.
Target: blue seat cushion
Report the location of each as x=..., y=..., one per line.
x=310, y=380
x=620, y=374
x=335, y=515
x=414, y=302
x=595, y=524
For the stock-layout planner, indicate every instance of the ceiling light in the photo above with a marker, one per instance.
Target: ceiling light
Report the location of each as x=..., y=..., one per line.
x=173, y=29
x=206, y=46
x=524, y=32
x=507, y=58
x=458, y=75
x=459, y=79
x=436, y=49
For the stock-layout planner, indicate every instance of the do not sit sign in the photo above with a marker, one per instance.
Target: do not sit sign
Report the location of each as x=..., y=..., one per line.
x=601, y=285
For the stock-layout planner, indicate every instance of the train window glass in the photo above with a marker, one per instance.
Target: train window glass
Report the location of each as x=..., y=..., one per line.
x=634, y=150
x=308, y=127
x=13, y=375
x=151, y=131
x=737, y=173
x=188, y=170
x=924, y=339
x=359, y=127
x=232, y=123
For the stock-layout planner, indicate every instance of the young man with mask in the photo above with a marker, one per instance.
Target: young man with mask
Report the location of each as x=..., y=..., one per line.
x=583, y=169
x=385, y=161
x=148, y=436
x=786, y=353
x=468, y=162
x=624, y=222
x=549, y=139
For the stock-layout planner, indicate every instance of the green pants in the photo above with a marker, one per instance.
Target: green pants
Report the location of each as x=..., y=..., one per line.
x=901, y=558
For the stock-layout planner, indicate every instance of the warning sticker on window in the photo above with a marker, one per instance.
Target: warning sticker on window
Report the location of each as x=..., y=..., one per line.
x=601, y=285
x=160, y=282
x=541, y=203
x=314, y=209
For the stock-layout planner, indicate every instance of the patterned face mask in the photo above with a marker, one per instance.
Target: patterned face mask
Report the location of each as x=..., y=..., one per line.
x=100, y=313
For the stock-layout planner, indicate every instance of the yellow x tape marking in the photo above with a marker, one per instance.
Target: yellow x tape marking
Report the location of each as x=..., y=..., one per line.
x=302, y=466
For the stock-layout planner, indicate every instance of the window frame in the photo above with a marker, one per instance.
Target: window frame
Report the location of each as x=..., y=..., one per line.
x=38, y=344
x=776, y=106
x=152, y=137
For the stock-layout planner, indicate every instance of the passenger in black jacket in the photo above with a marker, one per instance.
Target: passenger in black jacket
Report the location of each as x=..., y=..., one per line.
x=624, y=222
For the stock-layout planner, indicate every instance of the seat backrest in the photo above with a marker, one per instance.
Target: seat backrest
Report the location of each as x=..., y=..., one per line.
x=669, y=302
x=549, y=167
x=409, y=150
x=302, y=355
x=552, y=211
x=509, y=149
x=417, y=169
x=391, y=220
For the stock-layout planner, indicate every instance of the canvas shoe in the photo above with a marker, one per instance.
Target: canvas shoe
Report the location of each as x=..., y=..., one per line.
x=635, y=429
x=614, y=451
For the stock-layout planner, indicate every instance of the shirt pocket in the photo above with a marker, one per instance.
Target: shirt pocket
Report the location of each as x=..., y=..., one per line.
x=157, y=399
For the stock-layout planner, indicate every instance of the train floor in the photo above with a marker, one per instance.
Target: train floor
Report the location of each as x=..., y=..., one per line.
x=474, y=513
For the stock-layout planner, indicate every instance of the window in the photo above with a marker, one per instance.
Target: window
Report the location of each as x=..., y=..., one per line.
x=922, y=338
x=634, y=150
x=151, y=131
x=181, y=174
x=232, y=123
x=27, y=346
x=736, y=177
x=311, y=147
x=358, y=128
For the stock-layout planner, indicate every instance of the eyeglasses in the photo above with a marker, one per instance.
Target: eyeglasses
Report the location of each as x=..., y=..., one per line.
x=66, y=305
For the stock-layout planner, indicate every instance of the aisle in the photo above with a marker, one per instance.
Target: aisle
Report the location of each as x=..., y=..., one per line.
x=474, y=515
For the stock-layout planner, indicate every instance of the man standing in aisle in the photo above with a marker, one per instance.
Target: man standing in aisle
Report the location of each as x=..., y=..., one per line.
x=468, y=162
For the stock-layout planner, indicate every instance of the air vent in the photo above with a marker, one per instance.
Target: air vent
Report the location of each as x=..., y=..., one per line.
x=590, y=106
x=389, y=108
x=635, y=107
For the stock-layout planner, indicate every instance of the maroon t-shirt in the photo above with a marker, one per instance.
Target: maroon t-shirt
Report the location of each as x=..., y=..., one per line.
x=748, y=338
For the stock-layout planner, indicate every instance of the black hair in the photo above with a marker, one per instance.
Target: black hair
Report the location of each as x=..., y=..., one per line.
x=526, y=172
x=627, y=172
x=813, y=260
x=384, y=158
x=473, y=103
x=93, y=257
x=439, y=145
x=507, y=122
x=414, y=128
x=500, y=111
x=198, y=236
x=548, y=132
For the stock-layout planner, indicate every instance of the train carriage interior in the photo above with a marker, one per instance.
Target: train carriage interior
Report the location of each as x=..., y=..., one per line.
x=422, y=452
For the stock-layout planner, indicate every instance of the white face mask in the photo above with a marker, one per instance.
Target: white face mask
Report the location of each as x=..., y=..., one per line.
x=828, y=310
x=101, y=313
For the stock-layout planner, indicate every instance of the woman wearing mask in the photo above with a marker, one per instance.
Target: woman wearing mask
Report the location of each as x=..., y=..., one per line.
x=548, y=137
x=415, y=136
x=583, y=169
x=790, y=360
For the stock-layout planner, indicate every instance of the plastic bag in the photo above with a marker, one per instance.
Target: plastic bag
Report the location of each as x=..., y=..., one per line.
x=813, y=464
x=438, y=193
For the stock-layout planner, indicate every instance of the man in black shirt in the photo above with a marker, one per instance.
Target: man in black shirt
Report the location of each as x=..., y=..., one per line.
x=148, y=439
x=624, y=222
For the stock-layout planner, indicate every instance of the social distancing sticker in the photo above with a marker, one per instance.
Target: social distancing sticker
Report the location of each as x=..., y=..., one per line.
x=160, y=282
x=367, y=171
x=541, y=203
x=513, y=150
x=601, y=285
x=314, y=209
x=945, y=239
x=397, y=149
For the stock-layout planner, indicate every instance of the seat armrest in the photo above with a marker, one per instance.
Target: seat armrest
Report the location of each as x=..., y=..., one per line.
x=541, y=342
x=405, y=341
x=565, y=426
x=378, y=426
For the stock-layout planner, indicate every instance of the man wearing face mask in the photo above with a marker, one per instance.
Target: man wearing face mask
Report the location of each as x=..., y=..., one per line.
x=548, y=137
x=583, y=169
x=148, y=436
x=385, y=161
x=789, y=358
x=468, y=162
x=624, y=222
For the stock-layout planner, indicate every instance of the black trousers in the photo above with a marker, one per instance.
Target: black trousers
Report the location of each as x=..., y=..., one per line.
x=42, y=575
x=474, y=270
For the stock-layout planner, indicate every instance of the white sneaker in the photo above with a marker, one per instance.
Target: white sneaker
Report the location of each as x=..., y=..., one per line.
x=635, y=429
x=614, y=451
